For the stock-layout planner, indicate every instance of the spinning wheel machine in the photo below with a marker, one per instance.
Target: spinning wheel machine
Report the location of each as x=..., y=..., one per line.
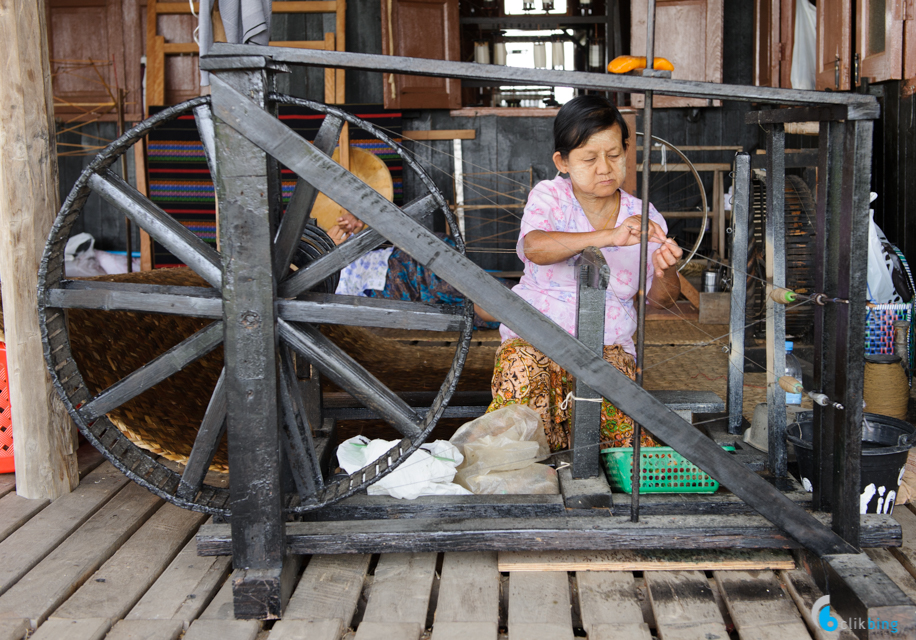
x=266, y=317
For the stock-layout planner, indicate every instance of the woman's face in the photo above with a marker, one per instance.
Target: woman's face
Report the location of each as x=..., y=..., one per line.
x=599, y=167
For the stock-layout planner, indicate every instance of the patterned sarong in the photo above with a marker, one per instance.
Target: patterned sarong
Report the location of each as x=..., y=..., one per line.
x=524, y=375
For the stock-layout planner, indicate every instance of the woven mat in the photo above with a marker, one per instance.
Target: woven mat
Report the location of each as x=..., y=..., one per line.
x=164, y=420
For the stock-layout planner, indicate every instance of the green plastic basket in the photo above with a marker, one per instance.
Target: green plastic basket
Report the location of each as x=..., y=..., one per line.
x=664, y=470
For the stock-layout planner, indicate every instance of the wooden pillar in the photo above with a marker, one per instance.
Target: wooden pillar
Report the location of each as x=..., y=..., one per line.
x=43, y=434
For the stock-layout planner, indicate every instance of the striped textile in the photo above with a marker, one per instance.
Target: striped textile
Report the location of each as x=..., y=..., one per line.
x=180, y=182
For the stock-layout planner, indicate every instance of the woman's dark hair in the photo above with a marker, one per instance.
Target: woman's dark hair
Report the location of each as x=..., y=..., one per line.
x=581, y=118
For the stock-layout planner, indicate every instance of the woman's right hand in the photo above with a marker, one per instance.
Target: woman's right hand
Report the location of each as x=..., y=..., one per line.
x=627, y=234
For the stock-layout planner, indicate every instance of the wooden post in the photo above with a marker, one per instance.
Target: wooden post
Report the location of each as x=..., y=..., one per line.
x=43, y=435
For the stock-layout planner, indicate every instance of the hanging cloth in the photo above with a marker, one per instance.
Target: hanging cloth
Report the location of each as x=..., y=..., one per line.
x=245, y=22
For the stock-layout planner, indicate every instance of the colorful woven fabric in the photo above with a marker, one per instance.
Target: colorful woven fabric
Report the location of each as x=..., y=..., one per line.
x=180, y=181
x=524, y=375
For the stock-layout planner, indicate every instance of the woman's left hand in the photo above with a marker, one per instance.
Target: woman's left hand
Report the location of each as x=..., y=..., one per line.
x=666, y=256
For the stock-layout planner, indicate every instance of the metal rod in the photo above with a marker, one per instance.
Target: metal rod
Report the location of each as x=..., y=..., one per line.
x=127, y=225
x=223, y=55
x=736, y=330
x=776, y=313
x=643, y=260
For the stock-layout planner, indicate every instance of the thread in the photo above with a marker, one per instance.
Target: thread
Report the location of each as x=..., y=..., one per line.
x=783, y=296
x=499, y=53
x=557, y=55
x=886, y=390
x=540, y=55
x=482, y=52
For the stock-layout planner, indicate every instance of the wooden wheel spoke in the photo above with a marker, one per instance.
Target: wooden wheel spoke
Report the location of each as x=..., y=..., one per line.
x=203, y=118
x=302, y=200
x=170, y=233
x=196, y=302
x=325, y=308
x=344, y=371
x=151, y=374
x=358, y=245
x=210, y=434
x=297, y=433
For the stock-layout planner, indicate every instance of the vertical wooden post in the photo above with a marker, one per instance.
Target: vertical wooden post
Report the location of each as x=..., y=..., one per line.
x=43, y=435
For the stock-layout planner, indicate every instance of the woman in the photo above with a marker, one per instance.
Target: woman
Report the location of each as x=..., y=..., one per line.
x=563, y=217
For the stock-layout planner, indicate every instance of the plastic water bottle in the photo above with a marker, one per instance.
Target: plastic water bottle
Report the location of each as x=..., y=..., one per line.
x=793, y=368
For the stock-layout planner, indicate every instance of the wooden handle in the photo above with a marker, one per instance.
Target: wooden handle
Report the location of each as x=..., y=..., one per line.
x=784, y=296
x=790, y=385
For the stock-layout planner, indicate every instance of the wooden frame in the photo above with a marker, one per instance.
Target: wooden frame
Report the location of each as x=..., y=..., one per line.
x=157, y=48
x=672, y=18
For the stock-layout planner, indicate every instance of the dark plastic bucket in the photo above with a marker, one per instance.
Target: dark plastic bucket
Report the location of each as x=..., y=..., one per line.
x=886, y=442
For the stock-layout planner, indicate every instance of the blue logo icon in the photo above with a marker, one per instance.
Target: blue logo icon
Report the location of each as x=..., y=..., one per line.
x=821, y=612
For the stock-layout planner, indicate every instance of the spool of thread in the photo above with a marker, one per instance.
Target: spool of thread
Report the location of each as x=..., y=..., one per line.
x=482, y=52
x=784, y=296
x=790, y=385
x=557, y=55
x=499, y=53
x=540, y=55
x=595, y=55
x=886, y=390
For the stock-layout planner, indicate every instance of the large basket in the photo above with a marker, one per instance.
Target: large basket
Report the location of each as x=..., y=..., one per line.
x=664, y=470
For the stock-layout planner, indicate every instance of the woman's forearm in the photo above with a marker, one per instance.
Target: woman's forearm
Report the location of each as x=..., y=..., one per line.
x=665, y=291
x=551, y=247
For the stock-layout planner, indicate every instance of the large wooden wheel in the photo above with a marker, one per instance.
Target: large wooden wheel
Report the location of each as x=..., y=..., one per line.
x=303, y=298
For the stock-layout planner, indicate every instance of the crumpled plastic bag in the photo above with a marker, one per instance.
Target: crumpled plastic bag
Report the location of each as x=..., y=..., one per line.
x=427, y=472
x=501, y=450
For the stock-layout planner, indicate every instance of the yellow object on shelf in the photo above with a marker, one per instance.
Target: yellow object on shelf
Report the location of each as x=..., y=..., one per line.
x=625, y=64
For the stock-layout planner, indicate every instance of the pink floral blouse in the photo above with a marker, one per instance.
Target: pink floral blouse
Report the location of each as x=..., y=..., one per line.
x=552, y=288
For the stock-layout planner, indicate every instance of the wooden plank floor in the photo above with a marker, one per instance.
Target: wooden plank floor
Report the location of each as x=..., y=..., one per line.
x=111, y=561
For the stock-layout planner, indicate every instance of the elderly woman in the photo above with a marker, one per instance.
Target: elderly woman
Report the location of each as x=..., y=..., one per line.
x=583, y=206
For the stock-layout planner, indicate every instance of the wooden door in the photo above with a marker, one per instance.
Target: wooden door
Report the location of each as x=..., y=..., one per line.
x=422, y=29
x=105, y=32
x=767, y=49
x=689, y=34
x=834, y=44
x=879, y=39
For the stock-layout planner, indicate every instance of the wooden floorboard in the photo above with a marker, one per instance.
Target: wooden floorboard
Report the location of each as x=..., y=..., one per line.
x=401, y=589
x=184, y=589
x=539, y=606
x=683, y=605
x=65, y=569
x=15, y=511
x=13, y=629
x=86, y=629
x=468, y=589
x=220, y=608
x=329, y=589
x=146, y=630
x=126, y=576
x=804, y=593
x=758, y=606
x=7, y=483
x=30, y=543
x=223, y=630
x=326, y=629
x=608, y=600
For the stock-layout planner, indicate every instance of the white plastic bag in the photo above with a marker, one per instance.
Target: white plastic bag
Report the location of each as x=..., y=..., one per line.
x=427, y=472
x=880, y=283
x=500, y=451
